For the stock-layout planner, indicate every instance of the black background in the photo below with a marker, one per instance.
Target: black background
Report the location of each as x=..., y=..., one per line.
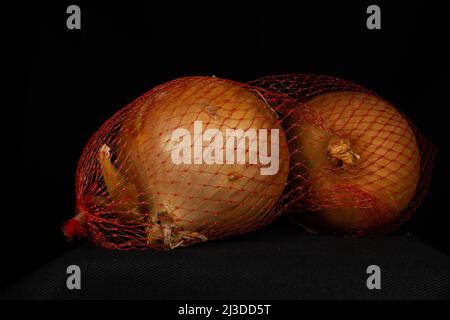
x=76, y=79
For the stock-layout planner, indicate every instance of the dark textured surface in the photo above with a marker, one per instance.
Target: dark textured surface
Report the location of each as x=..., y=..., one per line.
x=279, y=262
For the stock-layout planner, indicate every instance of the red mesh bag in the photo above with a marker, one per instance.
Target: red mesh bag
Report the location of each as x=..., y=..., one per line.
x=357, y=164
x=348, y=162
x=155, y=174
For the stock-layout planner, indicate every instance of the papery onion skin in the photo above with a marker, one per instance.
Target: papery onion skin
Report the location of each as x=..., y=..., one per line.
x=373, y=174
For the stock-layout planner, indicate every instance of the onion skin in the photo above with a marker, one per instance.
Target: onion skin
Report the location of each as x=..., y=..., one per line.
x=361, y=161
x=190, y=202
x=123, y=194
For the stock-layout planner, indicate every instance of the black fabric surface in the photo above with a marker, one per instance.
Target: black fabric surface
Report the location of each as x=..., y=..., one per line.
x=279, y=262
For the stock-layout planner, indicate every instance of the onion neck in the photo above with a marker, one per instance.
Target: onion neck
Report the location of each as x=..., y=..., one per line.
x=340, y=153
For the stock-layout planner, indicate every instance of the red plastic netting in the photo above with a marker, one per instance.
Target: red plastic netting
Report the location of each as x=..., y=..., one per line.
x=201, y=158
x=357, y=164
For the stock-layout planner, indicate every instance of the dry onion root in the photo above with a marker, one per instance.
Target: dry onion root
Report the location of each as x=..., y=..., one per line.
x=131, y=194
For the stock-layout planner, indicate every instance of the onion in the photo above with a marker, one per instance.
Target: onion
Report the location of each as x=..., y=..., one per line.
x=360, y=160
x=187, y=203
